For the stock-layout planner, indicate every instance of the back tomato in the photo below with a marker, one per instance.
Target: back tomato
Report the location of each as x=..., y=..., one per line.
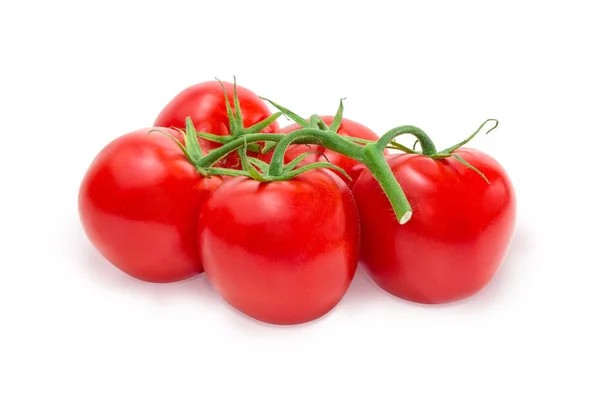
x=139, y=203
x=458, y=235
x=281, y=252
x=205, y=104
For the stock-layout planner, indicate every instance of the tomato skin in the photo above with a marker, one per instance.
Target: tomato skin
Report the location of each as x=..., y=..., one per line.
x=347, y=128
x=459, y=233
x=205, y=104
x=281, y=252
x=139, y=202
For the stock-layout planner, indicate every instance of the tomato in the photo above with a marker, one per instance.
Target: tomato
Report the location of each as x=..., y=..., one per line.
x=281, y=252
x=205, y=104
x=347, y=128
x=459, y=233
x=139, y=202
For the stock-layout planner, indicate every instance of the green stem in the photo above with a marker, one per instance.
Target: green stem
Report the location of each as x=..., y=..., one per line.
x=375, y=161
x=215, y=155
x=426, y=143
x=327, y=139
x=371, y=155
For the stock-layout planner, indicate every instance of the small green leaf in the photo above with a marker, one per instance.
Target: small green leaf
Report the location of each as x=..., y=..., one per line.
x=315, y=165
x=237, y=106
x=465, y=163
x=337, y=120
x=232, y=121
x=261, y=165
x=247, y=166
x=359, y=140
x=226, y=172
x=294, y=163
x=293, y=116
x=181, y=146
x=191, y=141
x=258, y=127
x=215, y=138
x=402, y=147
x=467, y=140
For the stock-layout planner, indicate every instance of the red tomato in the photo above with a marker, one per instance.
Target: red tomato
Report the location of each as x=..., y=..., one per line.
x=347, y=128
x=281, y=252
x=139, y=203
x=458, y=235
x=205, y=104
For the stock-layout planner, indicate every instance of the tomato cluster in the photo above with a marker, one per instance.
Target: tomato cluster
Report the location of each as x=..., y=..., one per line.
x=279, y=218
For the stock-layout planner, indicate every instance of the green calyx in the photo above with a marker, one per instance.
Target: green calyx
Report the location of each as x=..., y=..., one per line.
x=191, y=147
x=261, y=171
x=193, y=152
x=236, y=120
x=428, y=148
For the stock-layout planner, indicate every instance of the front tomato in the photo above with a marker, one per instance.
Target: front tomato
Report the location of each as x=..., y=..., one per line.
x=458, y=235
x=138, y=204
x=281, y=252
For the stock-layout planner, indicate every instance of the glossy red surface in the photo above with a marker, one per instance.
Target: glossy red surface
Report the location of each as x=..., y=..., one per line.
x=459, y=233
x=281, y=252
x=139, y=203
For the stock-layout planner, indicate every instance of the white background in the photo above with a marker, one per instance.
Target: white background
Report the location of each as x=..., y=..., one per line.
x=75, y=75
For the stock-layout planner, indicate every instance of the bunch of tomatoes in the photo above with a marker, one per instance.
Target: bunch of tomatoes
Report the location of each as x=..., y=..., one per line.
x=279, y=218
